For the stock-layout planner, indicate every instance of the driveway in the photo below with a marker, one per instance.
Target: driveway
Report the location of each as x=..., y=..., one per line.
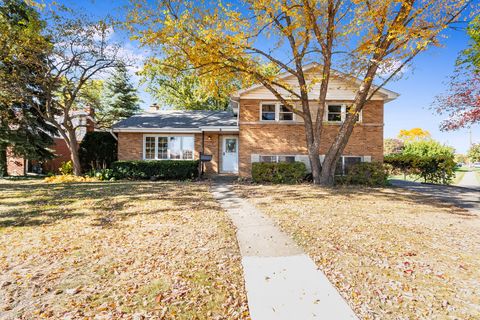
x=465, y=198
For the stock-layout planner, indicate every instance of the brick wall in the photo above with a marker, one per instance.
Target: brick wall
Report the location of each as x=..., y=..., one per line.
x=289, y=139
x=15, y=165
x=130, y=146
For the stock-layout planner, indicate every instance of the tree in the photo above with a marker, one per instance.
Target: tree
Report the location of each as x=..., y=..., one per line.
x=415, y=134
x=392, y=146
x=119, y=99
x=460, y=158
x=462, y=101
x=98, y=150
x=428, y=148
x=81, y=52
x=23, y=52
x=474, y=152
x=221, y=41
x=183, y=90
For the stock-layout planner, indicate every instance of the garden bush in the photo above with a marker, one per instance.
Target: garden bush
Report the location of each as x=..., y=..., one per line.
x=282, y=172
x=161, y=170
x=98, y=150
x=66, y=168
x=432, y=169
x=373, y=174
x=102, y=174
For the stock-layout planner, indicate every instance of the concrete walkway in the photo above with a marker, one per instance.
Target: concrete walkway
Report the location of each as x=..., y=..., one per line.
x=282, y=282
x=461, y=197
x=469, y=180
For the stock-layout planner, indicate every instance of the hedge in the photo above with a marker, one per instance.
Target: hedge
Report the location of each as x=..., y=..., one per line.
x=161, y=170
x=281, y=172
x=373, y=174
x=433, y=169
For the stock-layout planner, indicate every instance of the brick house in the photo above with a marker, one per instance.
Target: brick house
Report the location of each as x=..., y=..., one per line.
x=20, y=166
x=256, y=129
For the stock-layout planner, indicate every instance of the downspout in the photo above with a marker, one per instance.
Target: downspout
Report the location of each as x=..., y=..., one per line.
x=113, y=134
x=203, y=152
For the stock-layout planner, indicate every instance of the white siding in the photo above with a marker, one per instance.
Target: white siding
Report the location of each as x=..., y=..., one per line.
x=338, y=89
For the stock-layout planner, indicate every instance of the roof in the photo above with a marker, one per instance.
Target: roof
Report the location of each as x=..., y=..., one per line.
x=389, y=94
x=177, y=120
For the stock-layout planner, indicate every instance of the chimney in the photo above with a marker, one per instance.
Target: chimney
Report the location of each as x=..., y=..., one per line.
x=154, y=107
x=90, y=119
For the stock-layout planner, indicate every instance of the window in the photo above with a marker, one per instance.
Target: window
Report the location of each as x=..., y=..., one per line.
x=150, y=148
x=274, y=159
x=345, y=163
x=285, y=114
x=337, y=113
x=268, y=112
x=162, y=147
x=275, y=112
x=169, y=147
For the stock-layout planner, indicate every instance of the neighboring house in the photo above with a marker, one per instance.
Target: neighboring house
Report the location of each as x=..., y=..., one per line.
x=19, y=166
x=257, y=129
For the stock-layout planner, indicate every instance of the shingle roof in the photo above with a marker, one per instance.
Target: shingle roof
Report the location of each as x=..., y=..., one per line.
x=178, y=119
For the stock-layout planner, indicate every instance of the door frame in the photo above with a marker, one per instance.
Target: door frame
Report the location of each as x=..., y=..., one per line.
x=224, y=137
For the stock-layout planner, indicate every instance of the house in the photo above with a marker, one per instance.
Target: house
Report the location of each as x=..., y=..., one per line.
x=20, y=166
x=256, y=129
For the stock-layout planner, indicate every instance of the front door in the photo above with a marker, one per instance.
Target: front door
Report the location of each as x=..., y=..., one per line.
x=230, y=154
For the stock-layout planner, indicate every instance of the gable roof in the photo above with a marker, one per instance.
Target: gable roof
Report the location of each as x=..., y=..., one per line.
x=388, y=95
x=178, y=120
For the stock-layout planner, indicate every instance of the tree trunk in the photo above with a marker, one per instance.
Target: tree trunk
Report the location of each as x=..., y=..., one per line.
x=73, y=147
x=3, y=160
x=327, y=177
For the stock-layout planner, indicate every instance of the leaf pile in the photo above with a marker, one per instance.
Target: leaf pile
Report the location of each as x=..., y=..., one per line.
x=123, y=250
x=390, y=253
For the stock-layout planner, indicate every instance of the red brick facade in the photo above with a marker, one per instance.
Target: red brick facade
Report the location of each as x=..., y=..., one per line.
x=260, y=138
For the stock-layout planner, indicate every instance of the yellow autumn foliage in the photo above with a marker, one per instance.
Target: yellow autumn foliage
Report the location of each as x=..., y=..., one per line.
x=69, y=179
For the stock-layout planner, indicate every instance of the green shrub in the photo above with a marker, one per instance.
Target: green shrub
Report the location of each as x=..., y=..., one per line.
x=66, y=168
x=161, y=170
x=432, y=169
x=102, y=174
x=98, y=150
x=282, y=172
x=373, y=174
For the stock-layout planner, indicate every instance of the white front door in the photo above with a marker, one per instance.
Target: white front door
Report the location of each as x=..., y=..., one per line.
x=230, y=154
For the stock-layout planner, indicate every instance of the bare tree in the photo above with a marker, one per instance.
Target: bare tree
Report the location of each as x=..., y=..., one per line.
x=82, y=50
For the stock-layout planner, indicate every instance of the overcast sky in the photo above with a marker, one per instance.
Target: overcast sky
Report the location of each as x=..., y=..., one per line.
x=417, y=88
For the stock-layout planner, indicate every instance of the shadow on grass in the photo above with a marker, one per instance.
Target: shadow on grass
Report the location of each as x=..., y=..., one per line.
x=36, y=204
x=453, y=200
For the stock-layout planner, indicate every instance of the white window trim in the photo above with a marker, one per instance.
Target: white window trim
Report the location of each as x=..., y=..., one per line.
x=343, y=113
x=277, y=113
x=362, y=159
x=277, y=156
x=156, y=136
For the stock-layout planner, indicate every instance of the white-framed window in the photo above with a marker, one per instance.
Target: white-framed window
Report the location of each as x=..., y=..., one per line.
x=168, y=147
x=274, y=111
x=337, y=113
x=276, y=158
x=345, y=163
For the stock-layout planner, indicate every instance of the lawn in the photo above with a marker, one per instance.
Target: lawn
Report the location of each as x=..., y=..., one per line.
x=117, y=250
x=391, y=254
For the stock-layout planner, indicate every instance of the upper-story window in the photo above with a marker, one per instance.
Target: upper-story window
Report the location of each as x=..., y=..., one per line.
x=275, y=112
x=338, y=113
x=268, y=112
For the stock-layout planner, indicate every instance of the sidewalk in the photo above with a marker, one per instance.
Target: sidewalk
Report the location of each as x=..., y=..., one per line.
x=469, y=180
x=282, y=282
